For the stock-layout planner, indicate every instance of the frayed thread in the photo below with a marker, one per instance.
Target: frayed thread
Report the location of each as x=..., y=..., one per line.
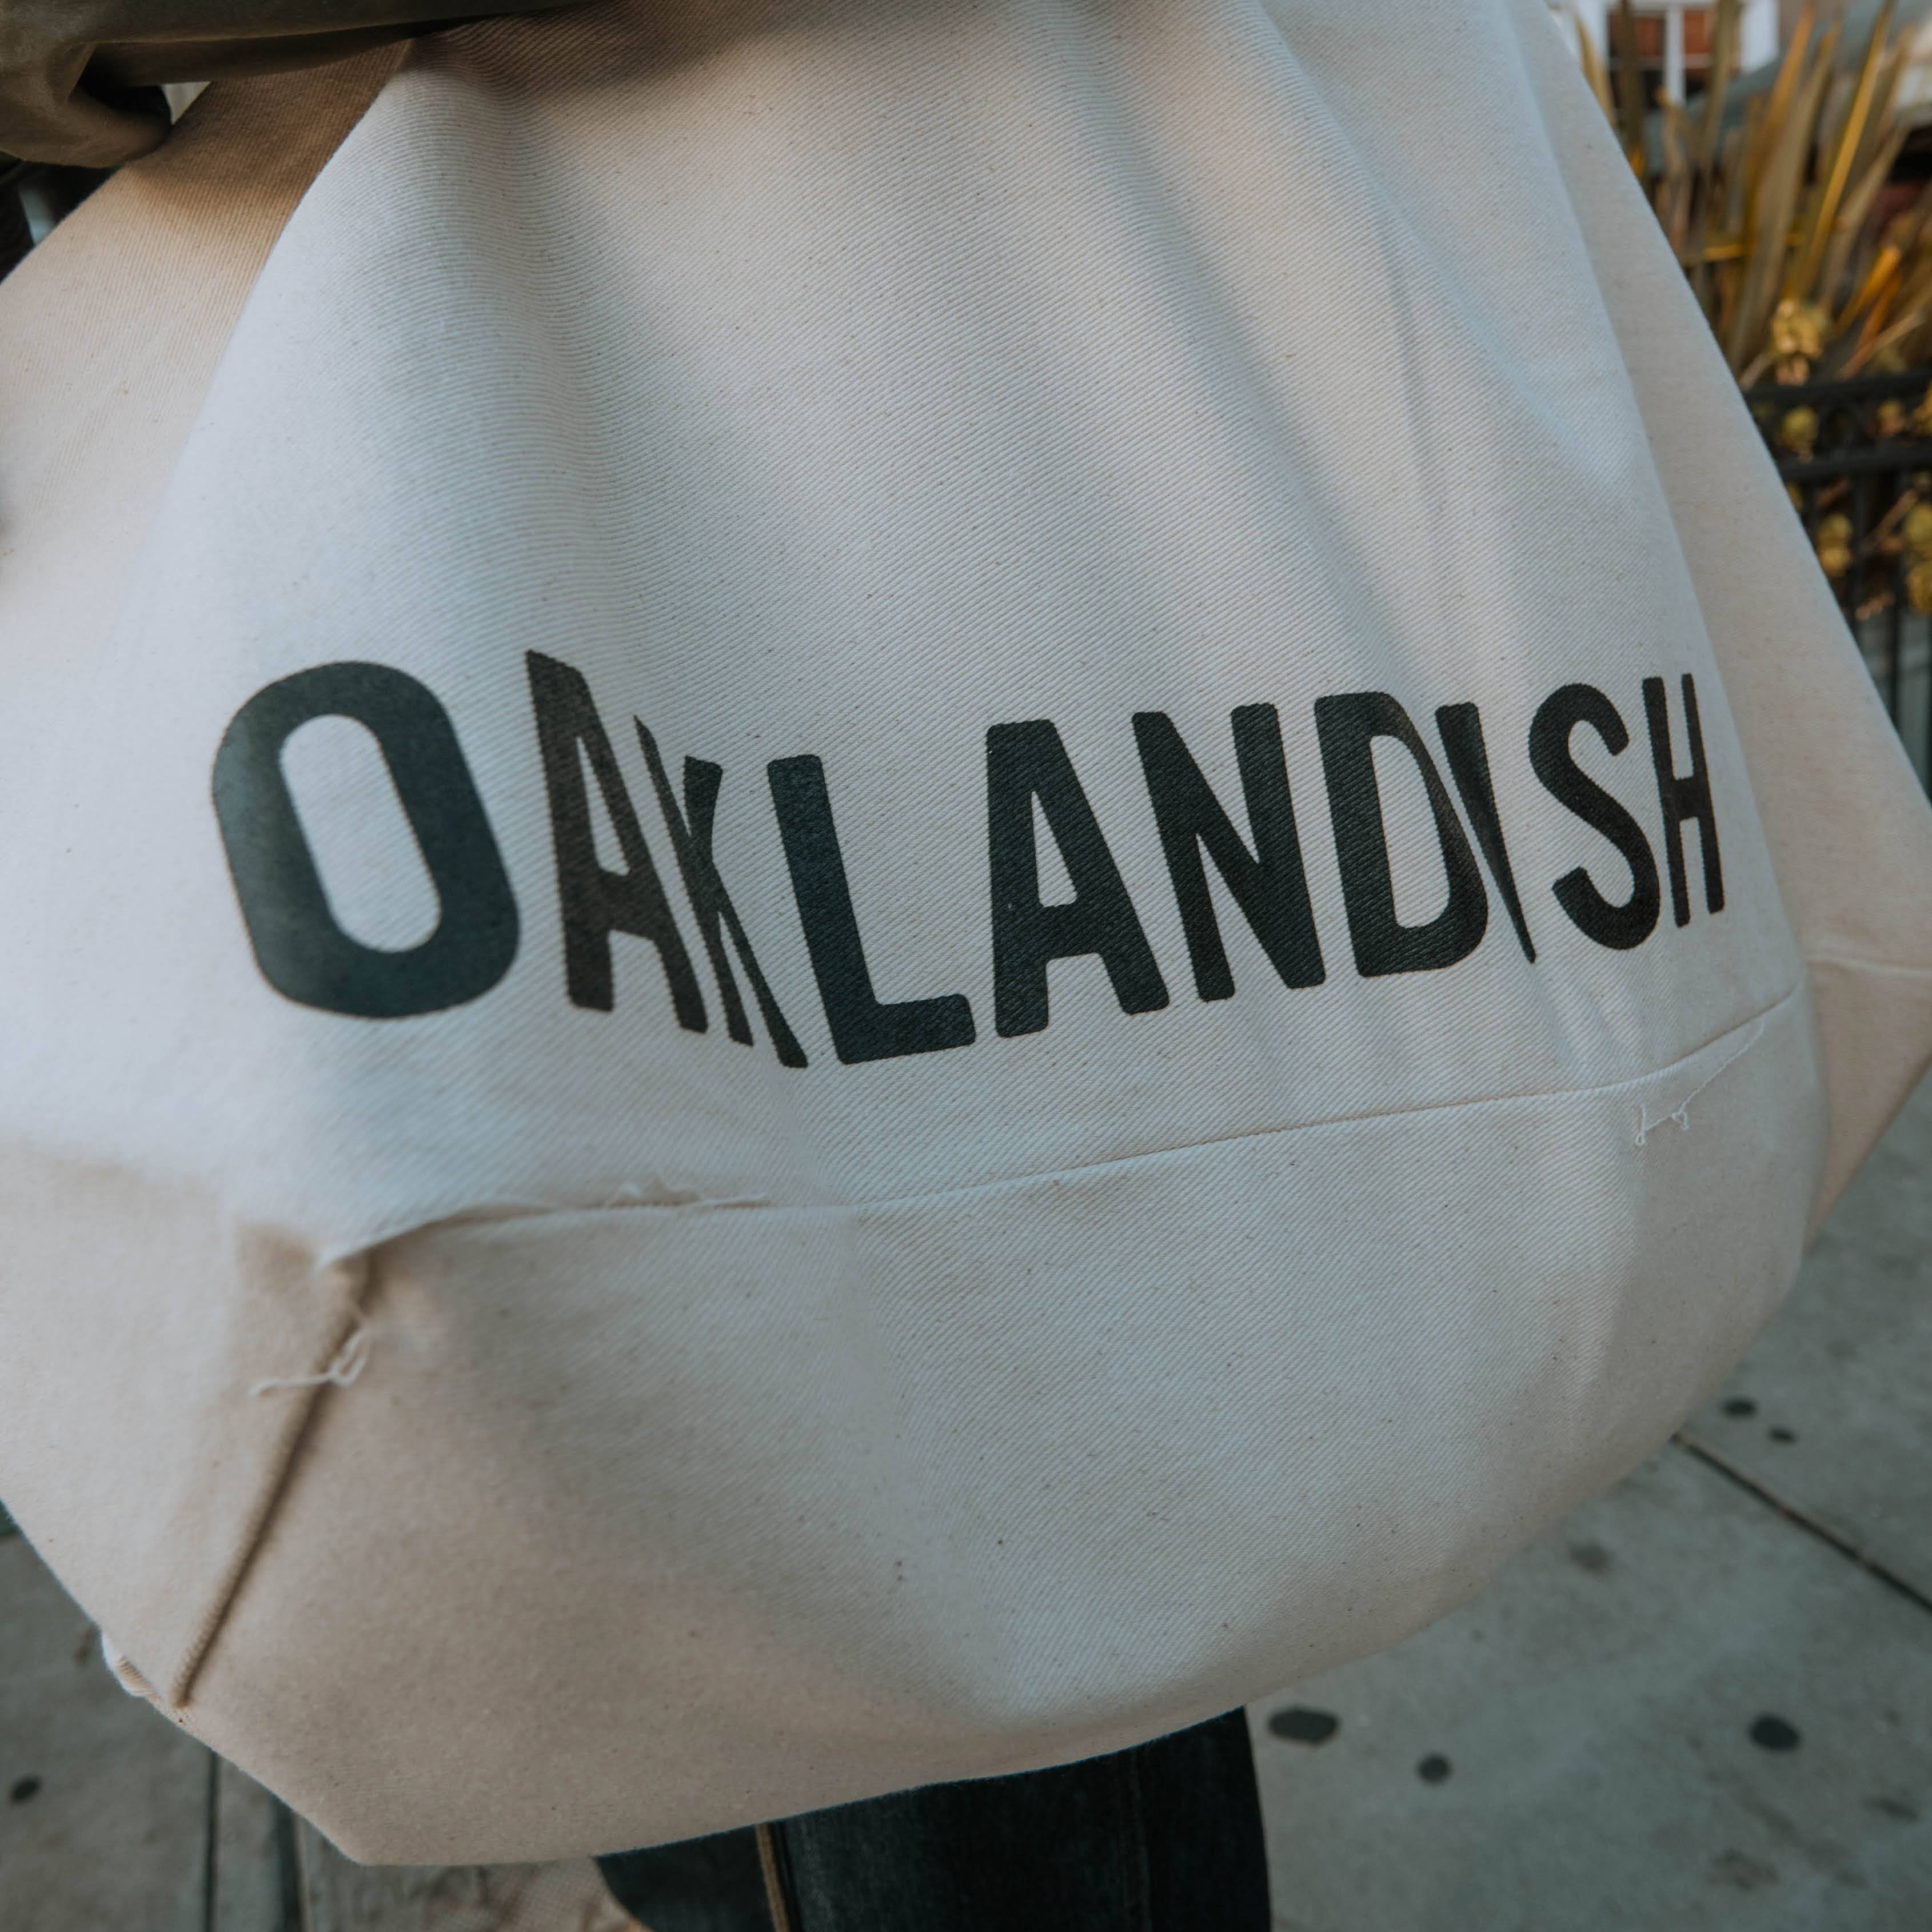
x=673, y=1199
x=124, y=1672
x=344, y=1371
x=1680, y=1119
x=1679, y=1116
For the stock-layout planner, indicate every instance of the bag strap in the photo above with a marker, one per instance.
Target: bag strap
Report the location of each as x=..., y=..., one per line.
x=112, y=329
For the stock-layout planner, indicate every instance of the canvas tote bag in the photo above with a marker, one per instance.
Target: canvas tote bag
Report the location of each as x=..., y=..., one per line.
x=891, y=887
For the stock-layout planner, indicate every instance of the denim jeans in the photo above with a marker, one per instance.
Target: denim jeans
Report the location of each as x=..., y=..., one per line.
x=1166, y=1838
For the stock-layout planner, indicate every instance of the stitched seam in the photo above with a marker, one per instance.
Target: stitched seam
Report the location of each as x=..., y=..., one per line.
x=484, y=1216
x=295, y=1432
x=1761, y=1020
x=274, y=1489
x=1883, y=968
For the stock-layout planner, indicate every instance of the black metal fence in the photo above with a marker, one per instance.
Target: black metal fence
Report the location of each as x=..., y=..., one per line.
x=1857, y=458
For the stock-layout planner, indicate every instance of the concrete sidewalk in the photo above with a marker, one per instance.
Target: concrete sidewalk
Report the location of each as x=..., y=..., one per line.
x=1704, y=1702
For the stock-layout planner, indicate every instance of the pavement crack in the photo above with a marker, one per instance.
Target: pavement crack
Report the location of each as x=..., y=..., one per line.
x=1715, y=1459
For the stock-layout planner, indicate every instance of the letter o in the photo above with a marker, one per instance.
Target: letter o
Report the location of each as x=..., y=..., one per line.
x=302, y=950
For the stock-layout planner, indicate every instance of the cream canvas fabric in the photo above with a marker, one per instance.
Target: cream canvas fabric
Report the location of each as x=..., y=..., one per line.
x=895, y=887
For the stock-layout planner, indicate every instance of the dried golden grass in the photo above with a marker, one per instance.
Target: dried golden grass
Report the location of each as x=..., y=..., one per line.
x=1779, y=213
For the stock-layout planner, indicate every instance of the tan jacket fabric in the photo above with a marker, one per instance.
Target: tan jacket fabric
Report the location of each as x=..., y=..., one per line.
x=479, y=1378
x=69, y=69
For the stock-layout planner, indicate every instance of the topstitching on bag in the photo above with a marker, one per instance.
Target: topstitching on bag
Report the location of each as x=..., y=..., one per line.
x=1706, y=1064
